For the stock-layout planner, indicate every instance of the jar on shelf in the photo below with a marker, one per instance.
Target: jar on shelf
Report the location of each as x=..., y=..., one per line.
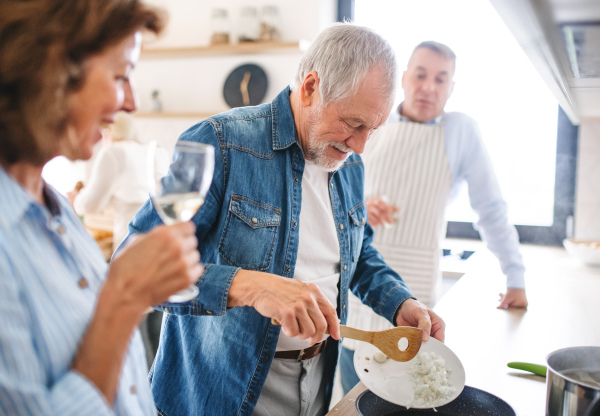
x=270, y=24
x=220, y=27
x=249, y=27
x=156, y=101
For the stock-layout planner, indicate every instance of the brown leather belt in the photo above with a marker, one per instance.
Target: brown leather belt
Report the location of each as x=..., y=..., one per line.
x=305, y=354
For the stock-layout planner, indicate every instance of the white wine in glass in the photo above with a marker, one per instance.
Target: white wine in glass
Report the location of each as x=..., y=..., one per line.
x=174, y=208
x=179, y=193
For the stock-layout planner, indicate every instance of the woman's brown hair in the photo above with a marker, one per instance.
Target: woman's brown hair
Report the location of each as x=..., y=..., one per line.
x=44, y=45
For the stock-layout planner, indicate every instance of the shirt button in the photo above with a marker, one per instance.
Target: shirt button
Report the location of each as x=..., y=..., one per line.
x=295, y=224
x=296, y=180
x=251, y=397
x=343, y=306
x=209, y=312
x=254, y=220
x=345, y=267
x=82, y=283
x=167, y=310
x=132, y=390
x=341, y=226
x=287, y=270
x=61, y=229
x=331, y=185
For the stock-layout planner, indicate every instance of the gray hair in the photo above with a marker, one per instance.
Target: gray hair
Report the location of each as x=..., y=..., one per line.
x=438, y=48
x=342, y=55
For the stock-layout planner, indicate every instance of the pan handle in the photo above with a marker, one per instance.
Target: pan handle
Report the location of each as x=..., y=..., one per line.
x=538, y=369
x=594, y=408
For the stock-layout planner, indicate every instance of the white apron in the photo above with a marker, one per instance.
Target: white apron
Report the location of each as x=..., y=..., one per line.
x=407, y=164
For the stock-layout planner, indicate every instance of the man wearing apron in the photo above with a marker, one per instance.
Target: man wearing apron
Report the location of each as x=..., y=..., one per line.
x=413, y=166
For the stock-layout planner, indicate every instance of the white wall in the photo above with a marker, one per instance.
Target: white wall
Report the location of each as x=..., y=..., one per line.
x=587, y=197
x=190, y=20
x=194, y=84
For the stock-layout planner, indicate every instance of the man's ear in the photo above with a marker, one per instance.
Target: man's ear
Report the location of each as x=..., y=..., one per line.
x=450, y=89
x=309, y=90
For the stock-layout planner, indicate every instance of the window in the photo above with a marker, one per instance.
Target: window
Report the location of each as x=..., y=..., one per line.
x=497, y=85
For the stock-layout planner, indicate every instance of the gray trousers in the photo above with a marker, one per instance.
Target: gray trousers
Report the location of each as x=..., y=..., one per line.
x=293, y=388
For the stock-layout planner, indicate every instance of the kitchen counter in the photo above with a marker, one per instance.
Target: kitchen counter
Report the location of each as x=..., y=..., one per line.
x=564, y=311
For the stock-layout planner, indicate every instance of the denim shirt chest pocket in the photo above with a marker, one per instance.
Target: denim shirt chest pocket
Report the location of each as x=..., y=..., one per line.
x=250, y=234
x=358, y=220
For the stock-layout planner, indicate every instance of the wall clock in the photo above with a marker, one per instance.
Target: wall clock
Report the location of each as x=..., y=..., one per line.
x=245, y=85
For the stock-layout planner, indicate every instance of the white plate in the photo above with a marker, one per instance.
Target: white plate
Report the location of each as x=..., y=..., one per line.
x=390, y=380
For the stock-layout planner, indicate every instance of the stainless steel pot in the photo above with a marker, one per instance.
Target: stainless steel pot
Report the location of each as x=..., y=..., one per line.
x=570, y=392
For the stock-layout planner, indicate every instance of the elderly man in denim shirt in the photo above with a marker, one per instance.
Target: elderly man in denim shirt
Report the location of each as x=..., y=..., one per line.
x=283, y=234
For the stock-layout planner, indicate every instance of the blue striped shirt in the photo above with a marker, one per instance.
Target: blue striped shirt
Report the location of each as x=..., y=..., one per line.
x=51, y=272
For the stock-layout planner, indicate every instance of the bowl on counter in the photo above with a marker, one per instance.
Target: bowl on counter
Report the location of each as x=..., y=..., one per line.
x=586, y=251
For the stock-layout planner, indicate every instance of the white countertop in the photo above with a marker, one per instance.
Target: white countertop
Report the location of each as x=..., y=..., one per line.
x=564, y=311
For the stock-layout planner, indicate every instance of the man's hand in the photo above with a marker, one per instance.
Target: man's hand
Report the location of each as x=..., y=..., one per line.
x=301, y=308
x=380, y=211
x=514, y=298
x=414, y=313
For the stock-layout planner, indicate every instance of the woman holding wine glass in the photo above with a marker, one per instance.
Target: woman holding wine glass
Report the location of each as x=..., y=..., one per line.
x=68, y=338
x=178, y=193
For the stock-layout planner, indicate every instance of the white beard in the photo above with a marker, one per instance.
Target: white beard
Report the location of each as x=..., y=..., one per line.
x=317, y=152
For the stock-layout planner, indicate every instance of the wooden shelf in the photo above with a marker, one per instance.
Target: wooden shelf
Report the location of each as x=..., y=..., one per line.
x=165, y=114
x=218, y=50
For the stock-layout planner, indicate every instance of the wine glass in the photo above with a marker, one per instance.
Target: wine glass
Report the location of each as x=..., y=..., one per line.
x=179, y=193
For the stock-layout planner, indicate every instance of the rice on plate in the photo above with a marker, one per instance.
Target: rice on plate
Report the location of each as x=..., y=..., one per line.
x=431, y=383
x=433, y=378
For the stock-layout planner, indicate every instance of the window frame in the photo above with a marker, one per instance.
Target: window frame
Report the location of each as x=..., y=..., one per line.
x=345, y=10
x=564, y=182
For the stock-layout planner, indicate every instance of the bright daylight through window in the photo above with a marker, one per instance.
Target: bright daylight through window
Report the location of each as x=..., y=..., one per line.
x=496, y=84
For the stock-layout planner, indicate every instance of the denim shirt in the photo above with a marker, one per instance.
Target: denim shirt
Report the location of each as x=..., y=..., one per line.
x=212, y=359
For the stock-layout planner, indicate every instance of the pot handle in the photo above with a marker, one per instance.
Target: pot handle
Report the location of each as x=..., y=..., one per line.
x=594, y=408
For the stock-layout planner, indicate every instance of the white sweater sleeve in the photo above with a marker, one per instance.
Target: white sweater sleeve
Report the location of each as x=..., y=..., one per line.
x=96, y=194
x=469, y=161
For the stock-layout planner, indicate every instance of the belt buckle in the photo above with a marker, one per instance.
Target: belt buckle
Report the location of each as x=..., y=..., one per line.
x=300, y=354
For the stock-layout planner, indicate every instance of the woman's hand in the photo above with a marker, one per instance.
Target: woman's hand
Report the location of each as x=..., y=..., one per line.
x=155, y=265
x=146, y=272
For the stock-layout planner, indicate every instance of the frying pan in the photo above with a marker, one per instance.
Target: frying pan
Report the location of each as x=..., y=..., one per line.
x=471, y=402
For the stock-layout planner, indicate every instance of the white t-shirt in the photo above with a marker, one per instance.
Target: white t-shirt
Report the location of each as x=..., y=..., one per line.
x=318, y=249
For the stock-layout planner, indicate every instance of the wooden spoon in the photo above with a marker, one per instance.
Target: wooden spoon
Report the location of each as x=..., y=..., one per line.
x=386, y=340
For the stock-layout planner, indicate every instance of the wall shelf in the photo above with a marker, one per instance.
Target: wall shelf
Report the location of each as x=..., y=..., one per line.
x=166, y=114
x=220, y=50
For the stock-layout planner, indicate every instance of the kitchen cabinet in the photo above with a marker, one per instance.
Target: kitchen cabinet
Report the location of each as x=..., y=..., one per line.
x=563, y=312
x=561, y=38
